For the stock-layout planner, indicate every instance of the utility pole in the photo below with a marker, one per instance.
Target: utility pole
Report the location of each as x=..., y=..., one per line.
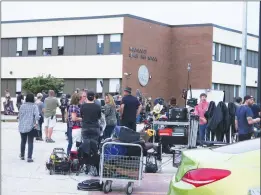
x=259, y=59
x=244, y=51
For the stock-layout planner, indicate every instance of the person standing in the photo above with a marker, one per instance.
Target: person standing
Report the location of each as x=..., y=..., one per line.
x=19, y=100
x=28, y=119
x=74, y=122
x=256, y=109
x=200, y=111
x=244, y=119
x=238, y=102
x=50, y=105
x=91, y=113
x=83, y=99
x=64, y=104
x=44, y=96
x=40, y=106
x=96, y=99
x=110, y=116
x=130, y=109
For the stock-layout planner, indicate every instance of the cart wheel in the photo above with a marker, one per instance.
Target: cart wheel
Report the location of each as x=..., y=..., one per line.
x=129, y=188
x=51, y=172
x=77, y=173
x=107, y=187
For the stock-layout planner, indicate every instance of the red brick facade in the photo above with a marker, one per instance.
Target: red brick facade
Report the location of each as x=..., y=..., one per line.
x=174, y=48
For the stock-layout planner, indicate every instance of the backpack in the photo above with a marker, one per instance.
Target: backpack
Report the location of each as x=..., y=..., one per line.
x=126, y=135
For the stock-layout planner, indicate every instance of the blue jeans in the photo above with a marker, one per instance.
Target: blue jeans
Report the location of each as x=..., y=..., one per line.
x=26, y=137
x=69, y=135
x=138, y=119
x=202, y=132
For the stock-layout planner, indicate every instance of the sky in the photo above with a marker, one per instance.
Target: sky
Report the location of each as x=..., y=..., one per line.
x=227, y=14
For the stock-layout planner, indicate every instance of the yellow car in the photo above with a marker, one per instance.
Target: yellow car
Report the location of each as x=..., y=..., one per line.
x=228, y=170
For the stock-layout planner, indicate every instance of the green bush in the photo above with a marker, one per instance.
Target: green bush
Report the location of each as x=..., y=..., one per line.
x=38, y=84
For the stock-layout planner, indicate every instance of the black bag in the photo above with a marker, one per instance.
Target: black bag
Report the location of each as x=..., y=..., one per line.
x=151, y=164
x=34, y=132
x=90, y=185
x=127, y=135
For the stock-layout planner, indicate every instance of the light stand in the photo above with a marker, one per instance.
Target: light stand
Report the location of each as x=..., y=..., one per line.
x=186, y=93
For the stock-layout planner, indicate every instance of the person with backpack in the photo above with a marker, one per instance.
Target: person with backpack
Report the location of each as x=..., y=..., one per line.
x=64, y=104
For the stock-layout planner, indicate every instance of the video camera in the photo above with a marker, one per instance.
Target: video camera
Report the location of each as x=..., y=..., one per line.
x=192, y=102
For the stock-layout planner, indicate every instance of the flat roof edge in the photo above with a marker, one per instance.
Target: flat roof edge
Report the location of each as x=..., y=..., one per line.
x=126, y=15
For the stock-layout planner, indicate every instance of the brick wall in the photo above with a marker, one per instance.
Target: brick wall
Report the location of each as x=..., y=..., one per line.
x=174, y=48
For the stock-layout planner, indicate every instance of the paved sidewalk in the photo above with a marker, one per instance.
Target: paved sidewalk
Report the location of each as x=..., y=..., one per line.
x=22, y=178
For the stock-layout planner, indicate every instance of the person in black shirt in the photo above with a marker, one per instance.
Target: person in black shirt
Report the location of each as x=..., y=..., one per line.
x=130, y=109
x=91, y=113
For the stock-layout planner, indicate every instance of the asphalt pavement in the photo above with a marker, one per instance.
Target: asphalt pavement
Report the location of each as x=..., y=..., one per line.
x=21, y=178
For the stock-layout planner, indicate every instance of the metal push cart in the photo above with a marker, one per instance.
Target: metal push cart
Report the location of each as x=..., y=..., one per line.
x=185, y=134
x=121, y=168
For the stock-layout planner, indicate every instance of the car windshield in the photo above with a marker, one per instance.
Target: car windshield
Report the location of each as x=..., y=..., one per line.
x=240, y=147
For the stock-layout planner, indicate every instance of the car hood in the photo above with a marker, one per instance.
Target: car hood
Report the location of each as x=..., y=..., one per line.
x=192, y=159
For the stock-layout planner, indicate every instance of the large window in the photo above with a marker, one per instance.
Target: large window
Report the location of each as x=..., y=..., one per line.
x=47, y=46
x=214, y=51
x=60, y=45
x=233, y=55
x=32, y=46
x=115, y=44
x=232, y=91
x=19, y=46
x=100, y=44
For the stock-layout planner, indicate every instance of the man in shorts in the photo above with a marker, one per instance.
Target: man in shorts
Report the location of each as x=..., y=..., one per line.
x=50, y=105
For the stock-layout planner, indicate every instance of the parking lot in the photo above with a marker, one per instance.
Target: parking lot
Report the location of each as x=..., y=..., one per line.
x=20, y=177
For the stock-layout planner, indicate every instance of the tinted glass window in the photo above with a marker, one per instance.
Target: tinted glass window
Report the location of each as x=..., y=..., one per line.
x=240, y=147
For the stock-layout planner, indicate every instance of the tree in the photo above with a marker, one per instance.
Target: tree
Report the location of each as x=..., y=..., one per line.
x=38, y=84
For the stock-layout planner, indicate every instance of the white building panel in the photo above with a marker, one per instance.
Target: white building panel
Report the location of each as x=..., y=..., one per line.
x=223, y=73
x=63, y=28
x=233, y=39
x=107, y=66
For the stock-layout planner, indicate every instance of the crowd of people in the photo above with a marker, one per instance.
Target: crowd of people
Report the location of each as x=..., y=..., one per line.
x=82, y=112
x=243, y=115
x=87, y=117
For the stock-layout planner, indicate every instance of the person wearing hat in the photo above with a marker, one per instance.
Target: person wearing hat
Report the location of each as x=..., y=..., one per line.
x=244, y=119
x=130, y=109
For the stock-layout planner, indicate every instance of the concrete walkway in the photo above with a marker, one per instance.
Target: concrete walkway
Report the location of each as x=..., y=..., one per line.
x=22, y=178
